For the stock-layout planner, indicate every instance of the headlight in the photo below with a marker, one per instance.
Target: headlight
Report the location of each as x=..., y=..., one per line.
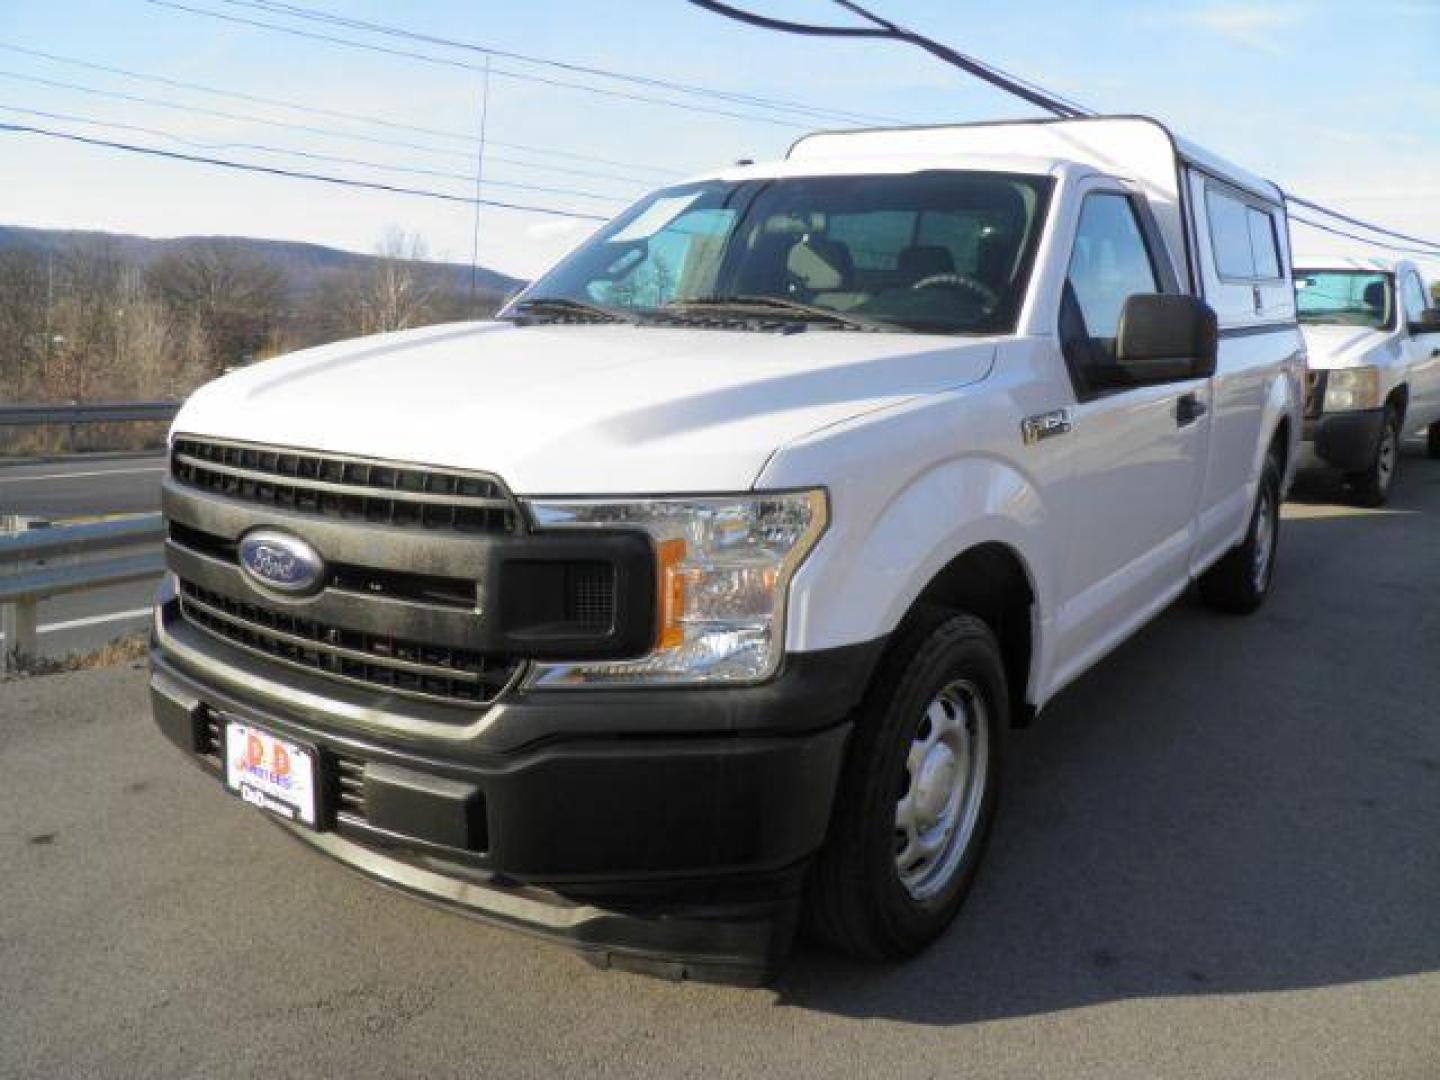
x=1347, y=389
x=724, y=567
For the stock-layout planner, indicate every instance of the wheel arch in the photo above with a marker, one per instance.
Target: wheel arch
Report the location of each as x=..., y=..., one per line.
x=991, y=581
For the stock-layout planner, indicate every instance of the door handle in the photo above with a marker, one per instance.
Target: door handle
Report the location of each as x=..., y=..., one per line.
x=1189, y=409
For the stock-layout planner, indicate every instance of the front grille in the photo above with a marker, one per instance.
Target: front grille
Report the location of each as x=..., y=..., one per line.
x=345, y=488
x=350, y=788
x=378, y=661
x=590, y=595
x=1314, y=393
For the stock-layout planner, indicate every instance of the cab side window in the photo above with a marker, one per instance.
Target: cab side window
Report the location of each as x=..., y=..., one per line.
x=1109, y=263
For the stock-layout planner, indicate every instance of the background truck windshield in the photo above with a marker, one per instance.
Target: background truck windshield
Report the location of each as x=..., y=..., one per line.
x=941, y=252
x=1345, y=298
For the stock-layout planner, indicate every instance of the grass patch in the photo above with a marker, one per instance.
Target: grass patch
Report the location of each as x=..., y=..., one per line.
x=123, y=650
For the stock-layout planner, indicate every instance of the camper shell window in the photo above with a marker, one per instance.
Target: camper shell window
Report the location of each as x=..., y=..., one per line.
x=1242, y=236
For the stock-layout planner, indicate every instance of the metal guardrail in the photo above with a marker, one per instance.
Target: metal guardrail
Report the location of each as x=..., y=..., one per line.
x=49, y=562
x=107, y=412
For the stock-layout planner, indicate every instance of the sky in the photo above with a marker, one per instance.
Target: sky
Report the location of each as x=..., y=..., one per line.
x=1335, y=101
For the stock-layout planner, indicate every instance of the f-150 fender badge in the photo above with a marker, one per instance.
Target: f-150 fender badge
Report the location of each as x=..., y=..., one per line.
x=1034, y=429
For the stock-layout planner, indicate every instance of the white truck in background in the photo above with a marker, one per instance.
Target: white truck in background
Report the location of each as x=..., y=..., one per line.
x=696, y=594
x=1373, y=336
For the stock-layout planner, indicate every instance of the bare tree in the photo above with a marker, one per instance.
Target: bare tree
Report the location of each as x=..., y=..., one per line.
x=236, y=295
x=396, y=293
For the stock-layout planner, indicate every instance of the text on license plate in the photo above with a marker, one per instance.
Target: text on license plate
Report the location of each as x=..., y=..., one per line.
x=269, y=772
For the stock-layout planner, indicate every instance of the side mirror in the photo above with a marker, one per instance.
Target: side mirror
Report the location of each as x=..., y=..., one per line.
x=1427, y=322
x=1166, y=336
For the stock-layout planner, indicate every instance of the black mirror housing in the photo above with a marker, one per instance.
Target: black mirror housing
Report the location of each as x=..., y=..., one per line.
x=1164, y=336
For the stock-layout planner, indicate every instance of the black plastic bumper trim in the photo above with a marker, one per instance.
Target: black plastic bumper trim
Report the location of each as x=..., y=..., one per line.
x=1347, y=441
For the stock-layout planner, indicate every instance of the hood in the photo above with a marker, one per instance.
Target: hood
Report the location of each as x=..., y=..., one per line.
x=579, y=409
x=1343, y=346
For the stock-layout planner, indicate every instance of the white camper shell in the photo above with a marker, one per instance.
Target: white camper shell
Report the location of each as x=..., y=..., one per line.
x=710, y=576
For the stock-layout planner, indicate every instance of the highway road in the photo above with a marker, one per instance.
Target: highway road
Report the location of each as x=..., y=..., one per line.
x=86, y=487
x=1216, y=858
x=82, y=487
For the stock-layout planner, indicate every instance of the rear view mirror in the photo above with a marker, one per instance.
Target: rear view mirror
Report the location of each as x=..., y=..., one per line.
x=1166, y=336
x=1427, y=322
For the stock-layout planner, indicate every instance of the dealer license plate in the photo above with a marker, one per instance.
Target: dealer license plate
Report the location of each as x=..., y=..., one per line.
x=272, y=773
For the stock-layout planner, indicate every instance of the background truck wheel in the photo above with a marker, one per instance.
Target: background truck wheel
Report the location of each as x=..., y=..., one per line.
x=1240, y=581
x=1372, y=487
x=1432, y=440
x=918, y=792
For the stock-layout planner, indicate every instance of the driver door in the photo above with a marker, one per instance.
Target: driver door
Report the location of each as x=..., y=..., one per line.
x=1138, y=450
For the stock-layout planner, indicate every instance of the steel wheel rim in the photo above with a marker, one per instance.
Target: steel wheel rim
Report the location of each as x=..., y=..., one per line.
x=1264, y=540
x=942, y=788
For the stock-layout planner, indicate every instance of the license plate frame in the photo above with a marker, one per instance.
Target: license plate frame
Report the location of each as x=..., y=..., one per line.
x=288, y=784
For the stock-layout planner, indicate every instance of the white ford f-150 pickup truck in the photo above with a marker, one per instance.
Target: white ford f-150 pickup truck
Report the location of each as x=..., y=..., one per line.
x=1373, y=338
x=695, y=594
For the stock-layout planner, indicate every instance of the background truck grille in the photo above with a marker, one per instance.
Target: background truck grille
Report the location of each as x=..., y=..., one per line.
x=345, y=488
x=370, y=659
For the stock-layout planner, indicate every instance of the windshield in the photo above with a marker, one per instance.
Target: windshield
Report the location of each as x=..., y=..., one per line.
x=934, y=252
x=1346, y=298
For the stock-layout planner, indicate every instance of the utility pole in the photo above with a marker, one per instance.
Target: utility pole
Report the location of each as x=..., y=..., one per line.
x=479, y=181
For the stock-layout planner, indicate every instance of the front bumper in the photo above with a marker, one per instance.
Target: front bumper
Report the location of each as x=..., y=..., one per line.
x=677, y=848
x=1347, y=441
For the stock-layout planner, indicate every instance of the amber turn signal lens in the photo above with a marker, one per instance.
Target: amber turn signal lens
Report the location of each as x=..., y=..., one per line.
x=672, y=594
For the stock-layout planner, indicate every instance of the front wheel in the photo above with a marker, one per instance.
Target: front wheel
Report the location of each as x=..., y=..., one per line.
x=1240, y=581
x=1432, y=440
x=1372, y=486
x=918, y=792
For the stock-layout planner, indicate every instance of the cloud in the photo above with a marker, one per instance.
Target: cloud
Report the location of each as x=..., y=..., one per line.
x=1255, y=26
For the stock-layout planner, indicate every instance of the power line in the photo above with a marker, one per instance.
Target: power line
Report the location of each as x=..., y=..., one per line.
x=294, y=175
x=885, y=30
x=333, y=159
x=286, y=125
x=1432, y=253
x=314, y=110
x=467, y=66
x=1356, y=221
x=1026, y=91
x=301, y=11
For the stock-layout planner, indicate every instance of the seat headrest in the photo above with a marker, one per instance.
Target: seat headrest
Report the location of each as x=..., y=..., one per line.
x=821, y=264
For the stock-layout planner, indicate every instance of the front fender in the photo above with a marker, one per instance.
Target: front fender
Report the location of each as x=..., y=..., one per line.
x=884, y=546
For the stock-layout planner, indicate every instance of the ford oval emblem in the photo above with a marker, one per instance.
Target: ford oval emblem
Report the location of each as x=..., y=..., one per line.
x=279, y=561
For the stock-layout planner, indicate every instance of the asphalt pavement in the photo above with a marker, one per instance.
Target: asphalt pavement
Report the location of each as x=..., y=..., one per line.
x=1216, y=858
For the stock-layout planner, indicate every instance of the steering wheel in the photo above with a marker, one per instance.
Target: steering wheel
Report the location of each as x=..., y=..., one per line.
x=988, y=296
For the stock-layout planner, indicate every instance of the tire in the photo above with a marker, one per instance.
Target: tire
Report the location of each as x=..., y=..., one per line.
x=871, y=893
x=1372, y=487
x=1432, y=440
x=1239, y=582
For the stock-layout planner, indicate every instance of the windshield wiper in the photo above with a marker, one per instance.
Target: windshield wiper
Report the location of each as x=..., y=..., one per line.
x=563, y=308
x=783, y=306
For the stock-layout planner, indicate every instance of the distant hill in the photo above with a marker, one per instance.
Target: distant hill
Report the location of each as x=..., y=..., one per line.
x=304, y=264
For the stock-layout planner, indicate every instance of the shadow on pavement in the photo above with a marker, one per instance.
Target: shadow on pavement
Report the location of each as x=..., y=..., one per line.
x=1224, y=805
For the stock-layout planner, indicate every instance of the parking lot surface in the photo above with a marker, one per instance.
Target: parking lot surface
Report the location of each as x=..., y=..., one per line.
x=1217, y=857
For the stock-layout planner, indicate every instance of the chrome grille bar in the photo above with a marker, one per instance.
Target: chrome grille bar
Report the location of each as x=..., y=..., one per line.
x=352, y=490
x=346, y=488
x=365, y=657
